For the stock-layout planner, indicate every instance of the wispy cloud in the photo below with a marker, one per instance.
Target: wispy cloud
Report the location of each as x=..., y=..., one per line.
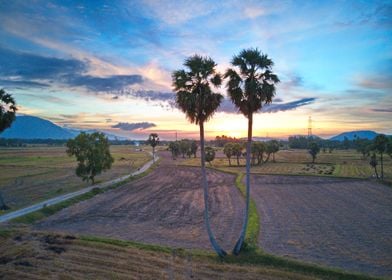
x=382, y=110
x=134, y=126
x=228, y=107
x=103, y=84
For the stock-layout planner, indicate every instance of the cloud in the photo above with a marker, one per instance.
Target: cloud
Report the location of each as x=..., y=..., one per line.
x=133, y=126
x=375, y=81
x=22, y=84
x=228, y=107
x=30, y=66
x=274, y=108
x=161, y=97
x=105, y=84
x=20, y=69
x=382, y=110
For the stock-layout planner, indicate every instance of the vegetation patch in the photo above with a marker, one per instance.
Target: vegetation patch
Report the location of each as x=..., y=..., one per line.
x=253, y=229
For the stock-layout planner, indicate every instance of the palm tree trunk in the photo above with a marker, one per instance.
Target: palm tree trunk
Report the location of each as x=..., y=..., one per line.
x=214, y=244
x=238, y=245
x=382, y=167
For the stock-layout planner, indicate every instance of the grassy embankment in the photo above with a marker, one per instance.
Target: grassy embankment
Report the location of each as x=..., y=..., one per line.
x=25, y=254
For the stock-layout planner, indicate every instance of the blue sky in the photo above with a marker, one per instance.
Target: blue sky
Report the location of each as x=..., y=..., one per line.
x=107, y=64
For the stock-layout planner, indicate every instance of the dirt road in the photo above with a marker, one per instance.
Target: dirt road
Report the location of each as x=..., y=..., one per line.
x=341, y=223
x=165, y=207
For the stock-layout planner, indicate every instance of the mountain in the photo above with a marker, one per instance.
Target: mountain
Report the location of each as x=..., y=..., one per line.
x=29, y=127
x=365, y=134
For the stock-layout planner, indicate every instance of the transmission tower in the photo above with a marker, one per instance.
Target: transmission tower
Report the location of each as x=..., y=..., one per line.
x=310, y=127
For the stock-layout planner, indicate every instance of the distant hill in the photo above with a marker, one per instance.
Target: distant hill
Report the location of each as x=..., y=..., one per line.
x=364, y=134
x=29, y=127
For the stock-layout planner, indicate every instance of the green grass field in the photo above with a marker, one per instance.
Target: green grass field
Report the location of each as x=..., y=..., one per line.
x=339, y=163
x=32, y=174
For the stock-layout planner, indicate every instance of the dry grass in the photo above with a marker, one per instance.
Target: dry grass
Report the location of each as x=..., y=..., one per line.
x=32, y=174
x=47, y=256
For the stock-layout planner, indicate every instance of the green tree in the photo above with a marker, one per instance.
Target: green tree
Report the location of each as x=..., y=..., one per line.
x=250, y=85
x=92, y=153
x=363, y=146
x=194, y=96
x=237, y=151
x=228, y=151
x=380, y=145
x=174, y=148
x=314, y=149
x=7, y=110
x=7, y=116
x=153, y=141
x=194, y=148
x=373, y=163
x=185, y=147
x=273, y=147
x=210, y=154
x=259, y=148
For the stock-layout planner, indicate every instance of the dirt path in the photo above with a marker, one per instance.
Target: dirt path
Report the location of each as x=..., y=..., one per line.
x=335, y=222
x=165, y=207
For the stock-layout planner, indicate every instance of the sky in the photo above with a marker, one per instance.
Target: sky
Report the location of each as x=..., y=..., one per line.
x=107, y=64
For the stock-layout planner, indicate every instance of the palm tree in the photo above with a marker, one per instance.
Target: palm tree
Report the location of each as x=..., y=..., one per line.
x=249, y=86
x=153, y=140
x=7, y=110
x=195, y=98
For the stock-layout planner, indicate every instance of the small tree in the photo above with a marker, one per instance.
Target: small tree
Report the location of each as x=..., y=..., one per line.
x=7, y=110
x=194, y=148
x=373, y=163
x=153, y=141
x=185, y=148
x=174, y=148
x=7, y=116
x=92, y=153
x=380, y=145
x=363, y=146
x=228, y=151
x=274, y=148
x=210, y=154
x=314, y=149
x=237, y=152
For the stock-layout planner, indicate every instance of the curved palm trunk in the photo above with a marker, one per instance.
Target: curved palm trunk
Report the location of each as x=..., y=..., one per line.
x=382, y=167
x=238, y=245
x=214, y=244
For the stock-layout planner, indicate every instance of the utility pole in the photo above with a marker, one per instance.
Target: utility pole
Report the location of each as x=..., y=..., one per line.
x=310, y=127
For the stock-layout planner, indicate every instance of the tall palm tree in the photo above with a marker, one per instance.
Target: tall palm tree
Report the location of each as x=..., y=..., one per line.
x=196, y=99
x=7, y=110
x=251, y=84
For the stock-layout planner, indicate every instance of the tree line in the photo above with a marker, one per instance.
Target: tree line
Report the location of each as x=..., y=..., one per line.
x=260, y=151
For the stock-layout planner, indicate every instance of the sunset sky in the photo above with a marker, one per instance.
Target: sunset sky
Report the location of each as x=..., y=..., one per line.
x=107, y=64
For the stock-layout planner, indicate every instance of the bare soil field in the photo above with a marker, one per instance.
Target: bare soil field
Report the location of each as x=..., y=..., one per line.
x=165, y=207
x=40, y=255
x=31, y=174
x=342, y=223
